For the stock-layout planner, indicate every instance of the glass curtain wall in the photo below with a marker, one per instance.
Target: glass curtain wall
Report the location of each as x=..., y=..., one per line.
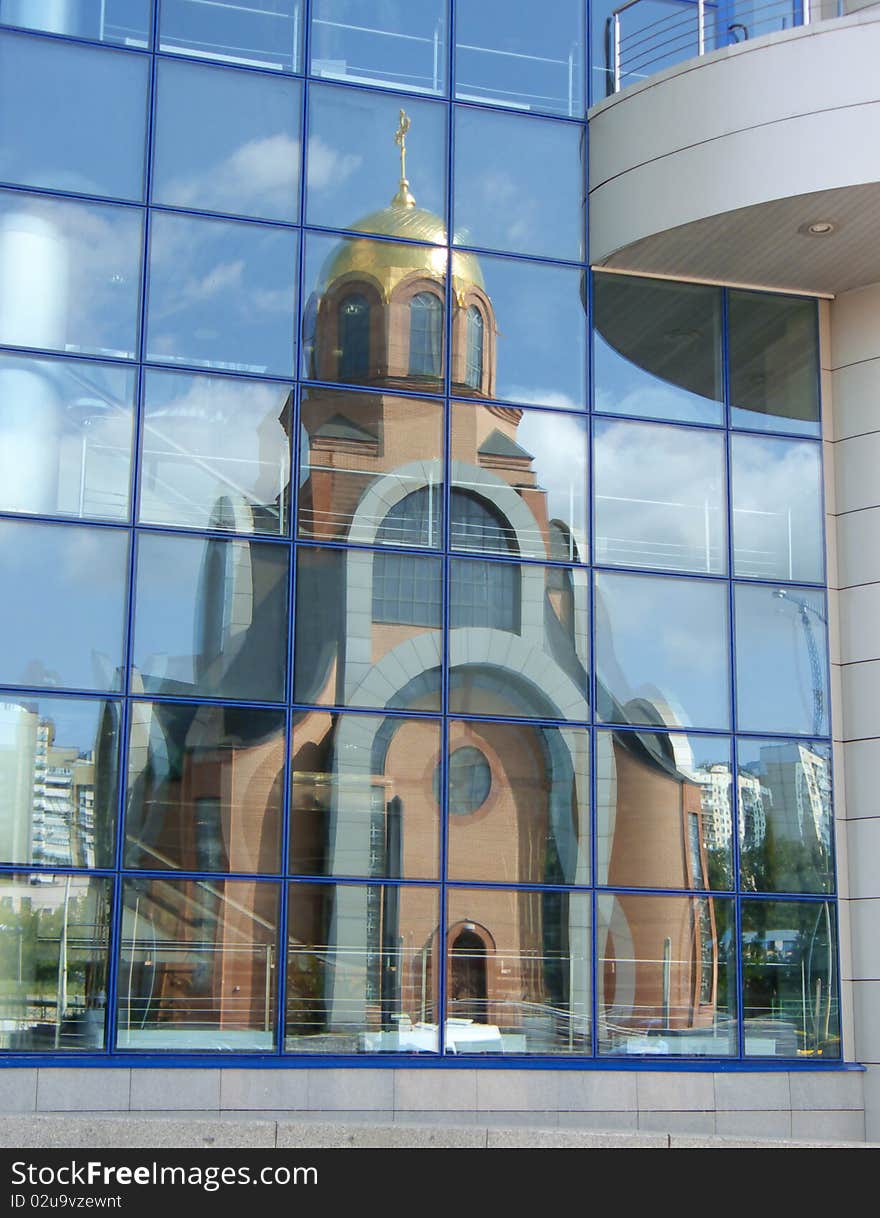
x=411, y=644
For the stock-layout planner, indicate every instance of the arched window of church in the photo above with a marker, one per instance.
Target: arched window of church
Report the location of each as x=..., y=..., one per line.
x=473, y=374
x=425, y=335
x=354, y=337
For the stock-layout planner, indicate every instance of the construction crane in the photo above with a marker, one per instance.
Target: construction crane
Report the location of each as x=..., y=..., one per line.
x=804, y=609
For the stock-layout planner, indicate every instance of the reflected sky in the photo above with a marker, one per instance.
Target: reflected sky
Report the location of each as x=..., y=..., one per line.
x=521, y=56
x=63, y=608
x=401, y=43
x=262, y=33
x=69, y=275
x=781, y=660
x=662, y=651
x=72, y=118
x=519, y=184
x=222, y=295
x=227, y=142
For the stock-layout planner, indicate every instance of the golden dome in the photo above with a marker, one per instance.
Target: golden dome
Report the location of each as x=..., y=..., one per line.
x=387, y=263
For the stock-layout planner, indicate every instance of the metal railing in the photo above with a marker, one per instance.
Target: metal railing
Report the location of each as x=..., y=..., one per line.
x=637, y=47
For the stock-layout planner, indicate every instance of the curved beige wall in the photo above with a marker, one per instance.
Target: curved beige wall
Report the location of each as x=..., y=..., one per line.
x=786, y=116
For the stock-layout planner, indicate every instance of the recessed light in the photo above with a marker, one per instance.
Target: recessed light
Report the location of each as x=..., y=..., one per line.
x=818, y=228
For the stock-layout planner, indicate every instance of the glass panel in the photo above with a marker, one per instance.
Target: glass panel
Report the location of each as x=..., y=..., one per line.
x=781, y=660
x=662, y=651
x=361, y=969
x=222, y=295
x=197, y=966
x=517, y=972
x=663, y=810
x=534, y=326
x=356, y=163
x=71, y=117
x=67, y=431
x=216, y=453
x=657, y=349
x=364, y=798
x=777, y=508
x=791, y=994
x=401, y=43
x=774, y=363
x=519, y=481
x=360, y=453
x=519, y=184
x=520, y=640
x=120, y=21
x=660, y=498
x=532, y=59
x=785, y=816
x=210, y=618
x=59, y=773
x=263, y=33
x=399, y=291
x=667, y=975
x=368, y=629
x=518, y=799
x=54, y=948
x=227, y=141
x=205, y=788
x=62, y=615
x=69, y=275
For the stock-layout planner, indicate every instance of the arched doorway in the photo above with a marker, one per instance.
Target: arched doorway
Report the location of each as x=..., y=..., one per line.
x=468, y=985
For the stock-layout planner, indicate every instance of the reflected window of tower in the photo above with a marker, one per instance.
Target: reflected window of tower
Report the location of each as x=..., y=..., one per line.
x=473, y=374
x=425, y=341
x=354, y=337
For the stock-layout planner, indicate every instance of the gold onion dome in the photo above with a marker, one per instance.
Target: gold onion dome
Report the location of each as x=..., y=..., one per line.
x=387, y=263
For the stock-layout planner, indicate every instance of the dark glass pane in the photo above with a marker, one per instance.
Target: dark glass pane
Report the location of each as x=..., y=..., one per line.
x=59, y=773
x=660, y=500
x=401, y=43
x=67, y=431
x=211, y=618
x=227, y=142
x=262, y=33
x=519, y=803
x=368, y=629
x=371, y=165
x=71, y=117
x=120, y=21
x=197, y=965
x=774, y=363
x=785, y=816
x=54, y=949
x=662, y=651
x=519, y=184
x=664, y=817
x=365, y=461
x=781, y=660
x=63, y=605
x=517, y=972
x=521, y=56
x=363, y=801
x=222, y=295
x=205, y=788
x=776, y=487
x=69, y=275
x=362, y=969
x=215, y=453
x=520, y=640
x=404, y=288
x=526, y=472
x=657, y=349
x=667, y=975
x=791, y=993
x=533, y=317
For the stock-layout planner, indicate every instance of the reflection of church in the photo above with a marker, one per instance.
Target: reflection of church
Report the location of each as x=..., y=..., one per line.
x=363, y=968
